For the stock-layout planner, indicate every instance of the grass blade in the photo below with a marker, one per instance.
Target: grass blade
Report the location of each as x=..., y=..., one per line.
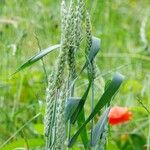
x=95, y=48
x=99, y=127
x=105, y=99
x=71, y=105
x=75, y=110
x=83, y=134
x=80, y=105
x=36, y=57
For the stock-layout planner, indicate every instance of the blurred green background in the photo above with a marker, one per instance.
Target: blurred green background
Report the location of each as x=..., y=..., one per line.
x=124, y=28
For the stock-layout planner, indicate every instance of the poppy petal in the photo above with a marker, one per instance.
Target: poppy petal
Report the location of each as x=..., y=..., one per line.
x=119, y=115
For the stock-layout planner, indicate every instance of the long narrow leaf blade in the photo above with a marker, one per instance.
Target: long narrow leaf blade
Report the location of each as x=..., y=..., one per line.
x=80, y=105
x=36, y=57
x=99, y=127
x=96, y=44
x=95, y=48
x=71, y=105
x=83, y=134
x=80, y=116
x=105, y=99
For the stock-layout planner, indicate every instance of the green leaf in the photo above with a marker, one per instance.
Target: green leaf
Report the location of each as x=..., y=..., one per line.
x=105, y=99
x=33, y=143
x=80, y=105
x=99, y=127
x=96, y=43
x=78, y=114
x=95, y=48
x=71, y=105
x=83, y=134
x=75, y=110
x=36, y=57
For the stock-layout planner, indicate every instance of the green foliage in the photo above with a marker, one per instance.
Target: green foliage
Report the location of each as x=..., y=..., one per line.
x=132, y=86
x=37, y=57
x=112, y=146
x=99, y=127
x=95, y=48
x=133, y=141
x=39, y=128
x=71, y=106
x=22, y=143
x=80, y=105
x=103, y=101
x=121, y=31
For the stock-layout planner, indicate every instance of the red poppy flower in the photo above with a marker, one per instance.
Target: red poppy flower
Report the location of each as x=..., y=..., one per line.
x=119, y=115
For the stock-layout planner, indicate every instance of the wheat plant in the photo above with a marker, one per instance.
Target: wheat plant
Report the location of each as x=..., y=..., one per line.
x=75, y=28
x=65, y=115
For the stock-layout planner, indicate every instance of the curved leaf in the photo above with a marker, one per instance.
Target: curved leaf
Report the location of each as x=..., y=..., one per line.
x=75, y=111
x=80, y=105
x=36, y=57
x=99, y=127
x=105, y=99
x=95, y=48
x=71, y=105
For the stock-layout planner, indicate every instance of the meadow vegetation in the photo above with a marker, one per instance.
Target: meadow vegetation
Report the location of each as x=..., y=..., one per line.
x=28, y=26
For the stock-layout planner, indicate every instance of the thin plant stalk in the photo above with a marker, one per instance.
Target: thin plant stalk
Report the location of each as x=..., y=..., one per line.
x=43, y=64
